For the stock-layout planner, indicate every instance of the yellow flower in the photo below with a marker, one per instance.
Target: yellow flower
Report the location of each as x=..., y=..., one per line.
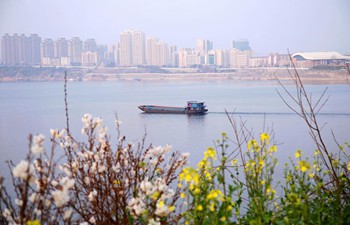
x=160, y=204
x=33, y=222
x=273, y=148
x=223, y=219
x=233, y=162
x=298, y=154
x=304, y=165
x=155, y=195
x=215, y=194
x=265, y=138
x=311, y=175
x=212, y=207
x=201, y=164
x=316, y=153
x=210, y=153
x=229, y=208
x=189, y=175
x=208, y=175
x=349, y=166
x=261, y=162
x=252, y=144
x=171, y=208
x=197, y=191
x=199, y=208
x=182, y=195
x=262, y=182
x=294, y=198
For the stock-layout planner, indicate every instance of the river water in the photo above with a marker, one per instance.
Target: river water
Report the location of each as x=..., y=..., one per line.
x=37, y=107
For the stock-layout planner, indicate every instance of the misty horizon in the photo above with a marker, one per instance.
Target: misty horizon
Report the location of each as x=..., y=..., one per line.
x=270, y=26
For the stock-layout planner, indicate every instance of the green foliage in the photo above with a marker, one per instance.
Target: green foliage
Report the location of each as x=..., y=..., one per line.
x=133, y=186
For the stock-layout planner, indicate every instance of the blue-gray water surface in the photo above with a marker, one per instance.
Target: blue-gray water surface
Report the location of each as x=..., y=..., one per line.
x=37, y=107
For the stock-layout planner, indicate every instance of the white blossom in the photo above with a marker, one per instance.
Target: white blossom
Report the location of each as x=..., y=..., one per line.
x=67, y=183
x=185, y=155
x=153, y=222
x=101, y=169
x=61, y=197
x=38, y=212
x=6, y=213
x=32, y=197
x=92, y=220
x=55, y=133
x=147, y=188
x=86, y=119
x=38, y=144
x=22, y=170
x=54, y=183
x=97, y=121
x=162, y=209
x=136, y=206
x=47, y=202
x=67, y=214
x=92, y=195
x=18, y=202
x=87, y=180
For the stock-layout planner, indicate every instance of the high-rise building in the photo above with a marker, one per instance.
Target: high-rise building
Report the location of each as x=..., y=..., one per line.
x=34, y=41
x=8, y=49
x=75, y=49
x=46, y=48
x=173, y=57
x=152, y=54
x=89, y=58
x=239, y=59
x=60, y=48
x=126, y=48
x=162, y=52
x=90, y=45
x=117, y=54
x=203, y=46
x=222, y=57
x=242, y=45
x=138, y=48
x=188, y=57
x=23, y=50
x=20, y=50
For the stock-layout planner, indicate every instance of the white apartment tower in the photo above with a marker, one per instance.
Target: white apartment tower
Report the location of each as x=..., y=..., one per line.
x=126, y=48
x=203, y=46
x=240, y=59
x=138, y=48
x=162, y=50
x=75, y=50
x=152, y=56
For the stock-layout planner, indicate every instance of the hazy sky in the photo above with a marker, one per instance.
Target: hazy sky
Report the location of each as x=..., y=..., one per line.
x=269, y=25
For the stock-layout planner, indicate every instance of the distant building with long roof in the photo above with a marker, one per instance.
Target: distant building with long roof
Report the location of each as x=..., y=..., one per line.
x=314, y=59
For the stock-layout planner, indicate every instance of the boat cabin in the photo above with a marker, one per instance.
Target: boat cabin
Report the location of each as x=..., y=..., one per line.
x=194, y=106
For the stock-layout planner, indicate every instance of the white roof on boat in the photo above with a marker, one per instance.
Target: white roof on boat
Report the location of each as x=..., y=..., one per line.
x=320, y=55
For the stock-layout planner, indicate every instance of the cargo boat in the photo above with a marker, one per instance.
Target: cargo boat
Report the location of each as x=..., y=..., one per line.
x=193, y=107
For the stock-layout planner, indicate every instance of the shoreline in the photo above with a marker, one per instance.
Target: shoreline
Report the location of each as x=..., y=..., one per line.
x=308, y=76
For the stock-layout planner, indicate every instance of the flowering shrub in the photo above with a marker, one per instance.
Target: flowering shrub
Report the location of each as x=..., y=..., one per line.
x=207, y=198
x=96, y=183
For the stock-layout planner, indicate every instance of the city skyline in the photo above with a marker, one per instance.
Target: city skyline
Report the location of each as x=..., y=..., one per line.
x=269, y=25
x=135, y=49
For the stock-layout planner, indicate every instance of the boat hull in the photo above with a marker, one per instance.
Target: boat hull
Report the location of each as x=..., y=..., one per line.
x=170, y=110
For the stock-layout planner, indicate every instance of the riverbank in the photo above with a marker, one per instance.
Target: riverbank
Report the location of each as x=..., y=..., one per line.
x=142, y=74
